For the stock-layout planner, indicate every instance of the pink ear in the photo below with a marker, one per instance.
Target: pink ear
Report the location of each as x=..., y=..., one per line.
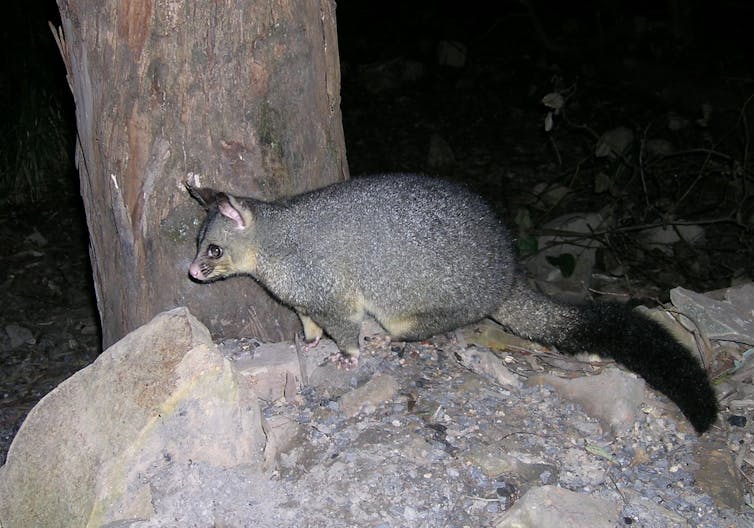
x=229, y=209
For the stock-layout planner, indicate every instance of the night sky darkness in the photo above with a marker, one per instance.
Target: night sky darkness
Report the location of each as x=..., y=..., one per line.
x=630, y=61
x=595, y=39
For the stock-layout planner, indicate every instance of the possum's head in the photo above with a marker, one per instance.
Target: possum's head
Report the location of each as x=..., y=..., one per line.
x=225, y=245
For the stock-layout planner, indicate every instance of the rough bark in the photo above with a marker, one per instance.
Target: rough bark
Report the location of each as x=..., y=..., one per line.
x=236, y=94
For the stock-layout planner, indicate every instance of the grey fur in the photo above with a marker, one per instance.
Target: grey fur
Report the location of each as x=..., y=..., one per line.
x=422, y=256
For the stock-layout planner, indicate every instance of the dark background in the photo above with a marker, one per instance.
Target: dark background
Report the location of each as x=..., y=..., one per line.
x=676, y=74
x=633, y=62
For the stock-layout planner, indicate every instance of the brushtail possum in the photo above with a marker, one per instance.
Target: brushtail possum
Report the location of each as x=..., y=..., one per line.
x=422, y=256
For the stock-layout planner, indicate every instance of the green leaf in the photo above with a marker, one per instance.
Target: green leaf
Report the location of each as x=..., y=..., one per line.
x=526, y=244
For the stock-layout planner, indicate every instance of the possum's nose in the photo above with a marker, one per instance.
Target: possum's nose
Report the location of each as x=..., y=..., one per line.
x=196, y=272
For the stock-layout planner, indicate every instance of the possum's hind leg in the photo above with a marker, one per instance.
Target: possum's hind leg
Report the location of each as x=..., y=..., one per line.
x=345, y=333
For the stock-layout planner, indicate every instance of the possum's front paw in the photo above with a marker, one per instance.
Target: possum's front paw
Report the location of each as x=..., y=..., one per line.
x=345, y=361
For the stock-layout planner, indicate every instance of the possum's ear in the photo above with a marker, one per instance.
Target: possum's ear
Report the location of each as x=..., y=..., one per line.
x=232, y=209
x=206, y=197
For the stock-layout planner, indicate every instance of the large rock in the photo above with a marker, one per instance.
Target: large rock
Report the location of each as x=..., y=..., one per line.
x=618, y=412
x=553, y=507
x=160, y=398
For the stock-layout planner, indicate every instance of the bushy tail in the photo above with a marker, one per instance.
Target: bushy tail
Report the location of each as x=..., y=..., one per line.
x=615, y=331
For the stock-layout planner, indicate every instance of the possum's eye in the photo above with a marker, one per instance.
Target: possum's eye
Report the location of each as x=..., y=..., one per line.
x=214, y=252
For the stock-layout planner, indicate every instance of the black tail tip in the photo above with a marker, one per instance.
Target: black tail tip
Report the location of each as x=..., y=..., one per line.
x=702, y=419
x=700, y=407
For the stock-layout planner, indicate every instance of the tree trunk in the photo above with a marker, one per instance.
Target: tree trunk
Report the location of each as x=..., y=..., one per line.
x=238, y=95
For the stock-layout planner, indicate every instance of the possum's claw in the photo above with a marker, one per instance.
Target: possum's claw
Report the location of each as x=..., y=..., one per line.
x=311, y=345
x=342, y=361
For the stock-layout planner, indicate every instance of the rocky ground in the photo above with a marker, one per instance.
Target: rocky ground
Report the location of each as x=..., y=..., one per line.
x=423, y=437
x=474, y=428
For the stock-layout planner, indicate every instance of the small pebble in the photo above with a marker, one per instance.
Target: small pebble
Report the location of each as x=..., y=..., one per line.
x=737, y=420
